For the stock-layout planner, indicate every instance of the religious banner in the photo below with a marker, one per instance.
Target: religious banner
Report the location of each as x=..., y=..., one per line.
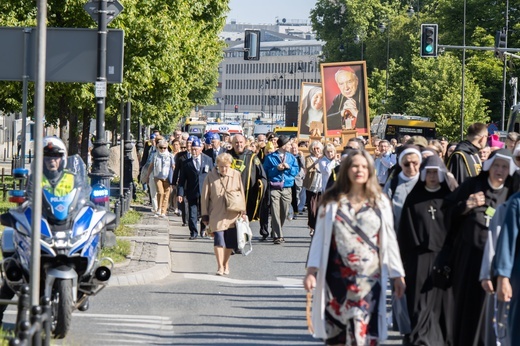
x=345, y=91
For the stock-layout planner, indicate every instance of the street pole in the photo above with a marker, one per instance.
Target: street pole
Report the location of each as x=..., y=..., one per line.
x=462, y=98
x=504, y=71
x=37, y=174
x=26, y=42
x=100, y=153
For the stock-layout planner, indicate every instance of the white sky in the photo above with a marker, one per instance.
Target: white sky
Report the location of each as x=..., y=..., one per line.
x=266, y=11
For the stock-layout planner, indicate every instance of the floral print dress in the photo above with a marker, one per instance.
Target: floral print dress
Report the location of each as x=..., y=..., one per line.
x=353, y=278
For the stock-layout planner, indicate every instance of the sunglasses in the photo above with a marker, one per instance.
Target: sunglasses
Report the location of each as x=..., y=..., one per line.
x=408, y=164
x=162, y=147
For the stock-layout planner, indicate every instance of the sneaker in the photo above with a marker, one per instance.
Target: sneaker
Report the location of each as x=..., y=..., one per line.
x=162, y=216
x=177, y=212
x=156, y=215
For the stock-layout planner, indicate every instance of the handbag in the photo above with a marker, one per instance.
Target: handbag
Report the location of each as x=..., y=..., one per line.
x=235, y=200
x=244, y=235
x=276, y=185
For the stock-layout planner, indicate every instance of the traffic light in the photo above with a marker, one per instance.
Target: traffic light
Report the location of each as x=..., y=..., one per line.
x=429, y=40
x=252, y=45
x=236, y=108
x=500, y=42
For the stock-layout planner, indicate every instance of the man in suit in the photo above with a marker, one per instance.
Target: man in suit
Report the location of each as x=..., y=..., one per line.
x=216, y=149
x=180, y=159
x=192, y=174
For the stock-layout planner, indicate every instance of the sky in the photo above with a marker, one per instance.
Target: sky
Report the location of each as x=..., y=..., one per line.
x=266, y=11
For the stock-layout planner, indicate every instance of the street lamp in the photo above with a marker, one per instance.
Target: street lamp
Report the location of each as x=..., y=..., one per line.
x=301, y=68
x=314, y=62
x=382, y=27
x=294, y=83
x=275, y=97
x=282, y=80
x=358, y=40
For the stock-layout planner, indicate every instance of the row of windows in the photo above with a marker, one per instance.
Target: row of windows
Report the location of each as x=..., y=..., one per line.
x=282, y=51
x=248, y=84
x=286, y=67
x=258, y=100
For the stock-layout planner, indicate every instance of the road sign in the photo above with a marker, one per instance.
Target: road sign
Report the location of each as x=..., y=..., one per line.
x=113, y=9
x=71, y=55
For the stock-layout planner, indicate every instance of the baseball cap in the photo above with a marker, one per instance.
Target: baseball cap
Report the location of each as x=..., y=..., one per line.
x=196, y=143
x=192, y=138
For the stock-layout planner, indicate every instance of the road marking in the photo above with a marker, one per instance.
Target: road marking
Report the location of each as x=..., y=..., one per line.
x=288, y=283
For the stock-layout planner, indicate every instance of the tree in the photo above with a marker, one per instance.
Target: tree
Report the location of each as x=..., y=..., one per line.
x=436, y=86
x=171, y=57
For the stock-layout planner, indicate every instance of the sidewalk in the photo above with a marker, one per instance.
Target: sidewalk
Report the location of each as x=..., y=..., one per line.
x=150, y=258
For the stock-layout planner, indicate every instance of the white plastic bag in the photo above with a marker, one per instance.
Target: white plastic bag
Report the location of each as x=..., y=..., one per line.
x=244, y=235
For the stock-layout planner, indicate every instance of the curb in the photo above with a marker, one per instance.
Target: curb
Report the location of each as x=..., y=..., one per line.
x=162, y=263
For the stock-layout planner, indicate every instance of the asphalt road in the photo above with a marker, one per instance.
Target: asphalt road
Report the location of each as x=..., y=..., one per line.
x=261, y=302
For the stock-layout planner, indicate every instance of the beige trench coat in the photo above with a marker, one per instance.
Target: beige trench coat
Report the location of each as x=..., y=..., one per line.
x=212, y=202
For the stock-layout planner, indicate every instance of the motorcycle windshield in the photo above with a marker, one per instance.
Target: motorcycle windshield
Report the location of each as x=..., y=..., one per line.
x=63, y=197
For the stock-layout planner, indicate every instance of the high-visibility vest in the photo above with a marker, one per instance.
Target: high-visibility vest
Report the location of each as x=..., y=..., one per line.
x=62, y=188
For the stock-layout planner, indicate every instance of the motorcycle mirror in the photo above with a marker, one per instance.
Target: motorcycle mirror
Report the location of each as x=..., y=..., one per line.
x=6, y=219
x=110, y=218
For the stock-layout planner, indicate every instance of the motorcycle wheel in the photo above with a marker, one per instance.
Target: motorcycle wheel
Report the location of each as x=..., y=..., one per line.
x=61, y=308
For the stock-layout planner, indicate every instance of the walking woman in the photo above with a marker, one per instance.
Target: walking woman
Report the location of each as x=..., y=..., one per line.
x=353, y=252
x=162, y=164
x=471, y=207
x=312, y=182
x=215, y=214
x=421, y=237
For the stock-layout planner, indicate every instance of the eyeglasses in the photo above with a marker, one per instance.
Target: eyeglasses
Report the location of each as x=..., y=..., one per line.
x=408, y=164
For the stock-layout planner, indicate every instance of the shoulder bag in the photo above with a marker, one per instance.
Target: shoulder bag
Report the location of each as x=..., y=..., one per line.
x=234, y=200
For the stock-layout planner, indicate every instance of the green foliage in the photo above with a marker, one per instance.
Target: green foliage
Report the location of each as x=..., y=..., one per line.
x=428, y=87
x=118, y=253
x=172, y=52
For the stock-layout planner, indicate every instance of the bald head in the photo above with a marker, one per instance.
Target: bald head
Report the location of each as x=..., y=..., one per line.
x=239, y=143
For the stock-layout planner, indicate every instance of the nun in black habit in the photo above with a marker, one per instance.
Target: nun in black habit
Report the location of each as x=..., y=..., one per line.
x=421, y=237
x=471, y=207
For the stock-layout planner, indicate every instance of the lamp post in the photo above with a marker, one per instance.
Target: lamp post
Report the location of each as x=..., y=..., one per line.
x=301, y=68
x=282, y=80
x=275, y=97
x=294, y=83
x=358, y=40
x=383, y=28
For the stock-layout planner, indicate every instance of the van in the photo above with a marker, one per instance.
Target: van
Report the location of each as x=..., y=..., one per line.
x=194, y=127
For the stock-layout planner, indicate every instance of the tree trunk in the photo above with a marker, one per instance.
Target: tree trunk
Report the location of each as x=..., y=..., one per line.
x=73, y=134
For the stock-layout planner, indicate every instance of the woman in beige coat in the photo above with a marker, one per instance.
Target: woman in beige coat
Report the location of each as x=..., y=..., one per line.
x=220, y=220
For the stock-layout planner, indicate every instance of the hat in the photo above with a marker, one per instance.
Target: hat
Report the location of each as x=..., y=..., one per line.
x=192, y=138
x=152, y=136
x=409, y=149
x=433, y=162
x=494, y=141
x=503, y=154
x=282, y=140
x=418, y=140
x=196, y=143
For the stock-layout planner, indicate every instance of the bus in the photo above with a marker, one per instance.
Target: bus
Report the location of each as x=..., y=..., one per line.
x=388, y=126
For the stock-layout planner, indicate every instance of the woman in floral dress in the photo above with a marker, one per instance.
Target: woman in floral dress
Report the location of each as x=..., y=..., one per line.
x=352, y=254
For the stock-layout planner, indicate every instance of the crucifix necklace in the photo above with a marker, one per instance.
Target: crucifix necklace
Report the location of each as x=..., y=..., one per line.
x=432, y=211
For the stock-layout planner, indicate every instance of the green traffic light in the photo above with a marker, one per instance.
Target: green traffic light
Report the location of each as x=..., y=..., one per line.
x=428, y=49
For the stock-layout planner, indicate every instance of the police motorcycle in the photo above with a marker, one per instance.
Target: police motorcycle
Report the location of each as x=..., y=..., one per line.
x=73, y=226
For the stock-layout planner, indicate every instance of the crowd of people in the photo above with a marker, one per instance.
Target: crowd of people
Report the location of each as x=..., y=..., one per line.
x=438, y=218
